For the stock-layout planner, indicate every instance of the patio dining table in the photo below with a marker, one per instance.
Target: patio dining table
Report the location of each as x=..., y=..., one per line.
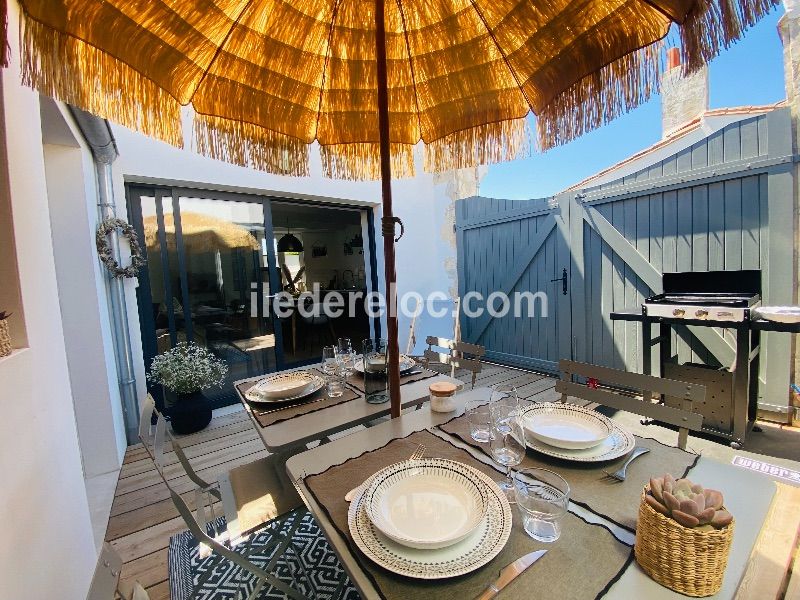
x=593, y=557
x=287, y=429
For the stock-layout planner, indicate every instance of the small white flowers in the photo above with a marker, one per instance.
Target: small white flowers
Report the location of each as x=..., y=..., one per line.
x=187, y=368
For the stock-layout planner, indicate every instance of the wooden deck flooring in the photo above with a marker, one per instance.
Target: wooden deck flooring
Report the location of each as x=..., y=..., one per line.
x=143, y=517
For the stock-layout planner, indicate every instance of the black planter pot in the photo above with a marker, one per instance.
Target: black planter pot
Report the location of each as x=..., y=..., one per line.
x=189, y=413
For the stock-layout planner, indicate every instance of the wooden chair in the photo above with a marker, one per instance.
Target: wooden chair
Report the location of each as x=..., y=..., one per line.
x=251, y=494
x=459, y=355
x=652, y=389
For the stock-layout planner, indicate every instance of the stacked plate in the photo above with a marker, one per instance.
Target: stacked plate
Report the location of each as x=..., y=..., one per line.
x=430, y=519
x=406, y=364
x=285, y=387
x=574, y=433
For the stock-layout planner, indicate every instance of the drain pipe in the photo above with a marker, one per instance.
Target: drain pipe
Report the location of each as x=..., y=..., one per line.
x=97, y=133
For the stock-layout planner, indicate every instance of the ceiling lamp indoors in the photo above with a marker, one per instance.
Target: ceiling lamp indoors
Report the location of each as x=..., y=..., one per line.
x=289, y=244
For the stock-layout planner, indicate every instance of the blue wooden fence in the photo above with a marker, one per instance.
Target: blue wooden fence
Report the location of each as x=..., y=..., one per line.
x=725, y=202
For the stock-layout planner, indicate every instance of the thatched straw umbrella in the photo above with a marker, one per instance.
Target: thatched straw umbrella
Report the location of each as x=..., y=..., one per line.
x=366, y=79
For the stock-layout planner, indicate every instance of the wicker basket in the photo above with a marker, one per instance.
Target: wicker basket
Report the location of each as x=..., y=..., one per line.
x=685, y=560
x=5, y=338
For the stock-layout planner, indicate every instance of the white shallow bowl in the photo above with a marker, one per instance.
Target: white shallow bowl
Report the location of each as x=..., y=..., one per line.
x=565, y=426
x=779, y=314
x=471, y=553
x=426, y=504
x=283, y=386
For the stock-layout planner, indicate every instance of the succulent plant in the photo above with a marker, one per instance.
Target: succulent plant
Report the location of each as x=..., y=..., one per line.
x=688, y=503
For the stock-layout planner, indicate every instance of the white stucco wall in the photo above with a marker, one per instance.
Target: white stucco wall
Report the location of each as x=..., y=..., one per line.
x=47, y=549
x=71, y=187
x=424, y=255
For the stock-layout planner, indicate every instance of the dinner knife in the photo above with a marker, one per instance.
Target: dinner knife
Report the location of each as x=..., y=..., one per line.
x=510, y=572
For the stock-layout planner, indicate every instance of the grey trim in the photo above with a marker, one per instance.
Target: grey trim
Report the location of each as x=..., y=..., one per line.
x=732, y=170
x=98, y=136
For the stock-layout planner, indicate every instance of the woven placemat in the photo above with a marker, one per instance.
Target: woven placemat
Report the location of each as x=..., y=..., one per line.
x=357, y=379
x=617, y=501
x=583, y=563
x=267, y=416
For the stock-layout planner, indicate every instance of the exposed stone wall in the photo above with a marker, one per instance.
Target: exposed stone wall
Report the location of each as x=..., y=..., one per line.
x=789, y=30
x=460, y=184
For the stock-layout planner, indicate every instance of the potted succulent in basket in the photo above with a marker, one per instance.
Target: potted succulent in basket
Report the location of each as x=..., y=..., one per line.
x=5, y=334
x=683, y=536
x=186, y=370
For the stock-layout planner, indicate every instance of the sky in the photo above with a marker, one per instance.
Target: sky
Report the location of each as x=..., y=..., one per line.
x=750, y=72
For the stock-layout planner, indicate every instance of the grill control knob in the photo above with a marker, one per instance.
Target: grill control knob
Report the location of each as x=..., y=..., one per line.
x=678, y=312
x=701, y=314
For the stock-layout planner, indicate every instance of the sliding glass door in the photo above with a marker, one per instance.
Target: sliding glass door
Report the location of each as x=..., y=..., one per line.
x=207, y=278
x=215, y=264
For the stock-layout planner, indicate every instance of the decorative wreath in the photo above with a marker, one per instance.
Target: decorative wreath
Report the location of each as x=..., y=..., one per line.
x=106, y=255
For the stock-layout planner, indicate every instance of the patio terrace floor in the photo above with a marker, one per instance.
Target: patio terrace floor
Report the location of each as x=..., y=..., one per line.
x=143, y=517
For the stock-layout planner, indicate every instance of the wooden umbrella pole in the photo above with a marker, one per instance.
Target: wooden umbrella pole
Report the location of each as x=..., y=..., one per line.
x=388, y=217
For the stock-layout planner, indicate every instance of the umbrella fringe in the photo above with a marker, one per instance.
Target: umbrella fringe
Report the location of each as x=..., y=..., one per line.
x=600, y=97
x=250, y=145
x=484, y=144
x=68, y=69
x=713, y=25
x=362, y=161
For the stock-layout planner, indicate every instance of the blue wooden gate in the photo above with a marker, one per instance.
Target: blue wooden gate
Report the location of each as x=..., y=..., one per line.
x=515, y=247
x=725, y=202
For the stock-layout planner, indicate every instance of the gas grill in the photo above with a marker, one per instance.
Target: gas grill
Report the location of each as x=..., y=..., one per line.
x=708, y=299
x=712, y=296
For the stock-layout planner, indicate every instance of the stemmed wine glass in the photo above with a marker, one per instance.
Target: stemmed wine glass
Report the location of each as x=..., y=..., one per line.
x=504, y=402
x=507, y=445
x=507, y=441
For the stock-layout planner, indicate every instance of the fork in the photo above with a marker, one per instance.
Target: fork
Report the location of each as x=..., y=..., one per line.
x=619, y=474
x=416, y=455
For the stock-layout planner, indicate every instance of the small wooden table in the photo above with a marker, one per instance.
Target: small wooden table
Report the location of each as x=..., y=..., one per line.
x=750, y=496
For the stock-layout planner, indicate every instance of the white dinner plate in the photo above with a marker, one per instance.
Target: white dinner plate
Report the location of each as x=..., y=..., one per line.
x=285, y=387
x=406, y=363
x=619, y=443
x=474, y=551
x=426, y=504
x=780, y=314
x=567, y=426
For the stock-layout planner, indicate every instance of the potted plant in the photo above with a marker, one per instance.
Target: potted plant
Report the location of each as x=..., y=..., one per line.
x=683, y=536
x=5, y=334
x=186, y=370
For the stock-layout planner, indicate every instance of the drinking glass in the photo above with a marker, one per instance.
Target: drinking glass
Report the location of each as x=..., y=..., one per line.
x=375, y=371
x=334, y=373
x=479, y=416
x=334, y=383
x=346, y=354
x=329, y=360
x=507, y=446
x=543, y=499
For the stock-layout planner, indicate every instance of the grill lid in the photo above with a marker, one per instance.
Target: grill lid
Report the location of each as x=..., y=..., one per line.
x=731, y=283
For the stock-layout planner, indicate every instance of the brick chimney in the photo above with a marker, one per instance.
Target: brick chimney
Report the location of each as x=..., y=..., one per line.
x=682, y=98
